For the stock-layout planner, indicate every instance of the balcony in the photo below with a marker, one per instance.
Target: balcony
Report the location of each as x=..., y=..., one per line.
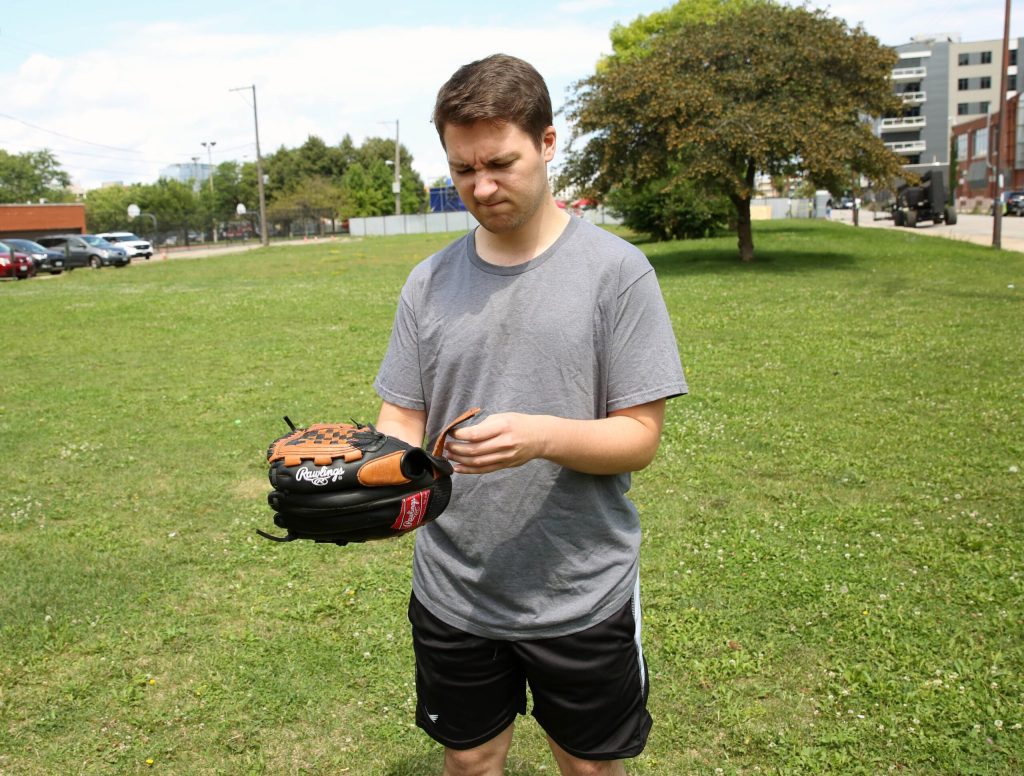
x=907, y=147
x=909, y=73
x=902, y=123
x=913, y=98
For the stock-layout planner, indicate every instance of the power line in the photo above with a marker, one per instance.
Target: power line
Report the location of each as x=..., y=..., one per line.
x=67, y=137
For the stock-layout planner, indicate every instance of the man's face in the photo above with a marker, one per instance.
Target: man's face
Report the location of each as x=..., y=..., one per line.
x=499, y=172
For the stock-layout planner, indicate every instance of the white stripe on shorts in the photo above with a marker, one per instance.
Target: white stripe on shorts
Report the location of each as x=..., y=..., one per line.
x=636, y=632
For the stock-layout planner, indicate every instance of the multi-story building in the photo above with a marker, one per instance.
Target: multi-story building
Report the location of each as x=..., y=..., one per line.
x=974, y=145
x=942, y=82
x=195, y=172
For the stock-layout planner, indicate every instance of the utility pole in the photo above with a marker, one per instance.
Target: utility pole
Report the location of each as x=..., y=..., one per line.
x=397, y=185
x=208, y=145
x=997, y=201
x=264, y=237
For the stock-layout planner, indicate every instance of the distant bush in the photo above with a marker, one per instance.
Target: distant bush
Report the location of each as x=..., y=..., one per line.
x=671, y=211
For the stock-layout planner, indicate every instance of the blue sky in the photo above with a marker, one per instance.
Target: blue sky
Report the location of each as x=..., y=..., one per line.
x=120, y=90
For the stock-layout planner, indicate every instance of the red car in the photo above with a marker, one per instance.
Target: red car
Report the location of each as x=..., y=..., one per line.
x=15, y=264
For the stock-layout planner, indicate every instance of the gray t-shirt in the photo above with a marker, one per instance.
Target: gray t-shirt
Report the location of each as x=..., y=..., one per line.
x=537, y=551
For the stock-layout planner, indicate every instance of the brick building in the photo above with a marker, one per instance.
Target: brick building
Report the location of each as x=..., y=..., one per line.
x=36, y=220
x=975, y=156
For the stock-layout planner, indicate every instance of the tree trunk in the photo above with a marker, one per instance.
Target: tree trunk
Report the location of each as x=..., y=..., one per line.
x=743, y=231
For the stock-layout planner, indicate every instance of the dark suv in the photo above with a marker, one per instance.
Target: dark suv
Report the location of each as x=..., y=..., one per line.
x=85, y=250
x=1015, y=203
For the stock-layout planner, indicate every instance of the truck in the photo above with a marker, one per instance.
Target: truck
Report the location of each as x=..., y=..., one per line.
x=925, y=202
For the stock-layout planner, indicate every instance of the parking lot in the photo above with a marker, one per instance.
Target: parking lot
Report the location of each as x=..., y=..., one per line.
x=969, y=228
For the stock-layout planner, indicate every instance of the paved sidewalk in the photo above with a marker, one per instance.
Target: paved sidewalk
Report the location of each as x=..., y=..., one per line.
x=969, y=228
x=219, y=249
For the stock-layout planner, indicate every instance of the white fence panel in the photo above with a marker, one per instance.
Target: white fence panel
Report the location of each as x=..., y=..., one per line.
x=414, y=223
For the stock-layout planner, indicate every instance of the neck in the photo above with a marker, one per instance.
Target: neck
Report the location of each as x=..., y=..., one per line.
x=525, y=243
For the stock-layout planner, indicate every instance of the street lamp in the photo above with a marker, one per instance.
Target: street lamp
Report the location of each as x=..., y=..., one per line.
x=208, y=145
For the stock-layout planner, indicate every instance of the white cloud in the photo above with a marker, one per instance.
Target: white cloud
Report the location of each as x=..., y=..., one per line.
x=163, y=101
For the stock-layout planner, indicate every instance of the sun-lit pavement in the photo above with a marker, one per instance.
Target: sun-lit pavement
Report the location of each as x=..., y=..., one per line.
x=969, y=228
x=219, y=249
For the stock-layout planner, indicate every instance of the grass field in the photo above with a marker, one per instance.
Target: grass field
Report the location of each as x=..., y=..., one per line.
x=833, y=563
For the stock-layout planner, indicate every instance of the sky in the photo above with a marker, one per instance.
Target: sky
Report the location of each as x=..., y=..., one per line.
x=120, y=90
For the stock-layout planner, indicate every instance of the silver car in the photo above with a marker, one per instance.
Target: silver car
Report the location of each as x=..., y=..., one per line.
x=85, y=250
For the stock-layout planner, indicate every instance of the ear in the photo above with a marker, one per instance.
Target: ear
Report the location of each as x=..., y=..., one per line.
x=547, y=144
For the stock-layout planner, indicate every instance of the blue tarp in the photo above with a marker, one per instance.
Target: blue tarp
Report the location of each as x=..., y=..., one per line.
x=444, y=199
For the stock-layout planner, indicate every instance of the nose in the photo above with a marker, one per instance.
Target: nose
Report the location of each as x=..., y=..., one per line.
x=483, y=186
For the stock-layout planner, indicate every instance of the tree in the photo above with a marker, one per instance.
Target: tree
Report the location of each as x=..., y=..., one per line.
x=31, y=176
x=173, y=203
x=313, y=198
x=367, y=189
x=634, y=40
x=413, y=195
x=106, y=209
x=779, y=90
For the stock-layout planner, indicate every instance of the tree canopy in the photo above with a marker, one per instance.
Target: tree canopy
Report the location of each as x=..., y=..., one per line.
x=777, y=90
x=311, y=182
x=634, y=40
x=31, y=176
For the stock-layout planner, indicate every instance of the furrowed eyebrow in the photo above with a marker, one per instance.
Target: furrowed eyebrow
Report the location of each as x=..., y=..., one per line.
x=497, y=161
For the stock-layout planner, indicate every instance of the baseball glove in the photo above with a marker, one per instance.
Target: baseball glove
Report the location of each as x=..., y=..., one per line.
x=341, y=483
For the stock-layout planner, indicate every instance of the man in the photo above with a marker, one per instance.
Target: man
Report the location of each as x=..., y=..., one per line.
x=559, y=331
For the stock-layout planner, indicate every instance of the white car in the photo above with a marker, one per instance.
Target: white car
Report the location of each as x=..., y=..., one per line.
x=132, y=244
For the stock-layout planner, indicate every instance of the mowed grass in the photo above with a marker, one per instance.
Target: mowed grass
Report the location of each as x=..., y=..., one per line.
x=832, y=564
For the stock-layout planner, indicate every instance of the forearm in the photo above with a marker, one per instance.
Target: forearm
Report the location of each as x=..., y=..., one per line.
x=610, y=445
x=402, y=423
x=625, y=441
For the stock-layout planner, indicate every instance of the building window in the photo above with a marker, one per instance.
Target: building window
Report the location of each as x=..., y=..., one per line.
x=986, y=57
x=983, y=107
x=962, y=146
x=963, y=109
x=1013, y=57
x=981, y=142
x=986, y=82
x=963, y=84
x=964, y=59
x=1011, y=83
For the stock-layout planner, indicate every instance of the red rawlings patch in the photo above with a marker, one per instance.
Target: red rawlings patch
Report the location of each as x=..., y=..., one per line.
x=414, y=507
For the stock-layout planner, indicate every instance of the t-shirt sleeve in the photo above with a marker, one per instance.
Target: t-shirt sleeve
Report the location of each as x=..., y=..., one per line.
x=645, y=363
x=398, y=379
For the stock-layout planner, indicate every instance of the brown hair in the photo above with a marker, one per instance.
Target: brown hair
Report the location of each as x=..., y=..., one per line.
x=499, y=88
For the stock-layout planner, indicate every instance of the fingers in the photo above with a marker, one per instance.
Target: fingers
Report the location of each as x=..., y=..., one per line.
x=498, y=442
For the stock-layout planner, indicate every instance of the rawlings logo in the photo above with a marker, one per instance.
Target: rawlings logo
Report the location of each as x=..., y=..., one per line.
x=414, y=507
x=319, y=477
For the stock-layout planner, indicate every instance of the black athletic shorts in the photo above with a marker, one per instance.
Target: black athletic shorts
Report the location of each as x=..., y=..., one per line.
x=589, y=688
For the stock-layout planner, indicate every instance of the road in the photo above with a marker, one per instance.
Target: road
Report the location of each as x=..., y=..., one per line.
x=969, y=228
x=219, y=249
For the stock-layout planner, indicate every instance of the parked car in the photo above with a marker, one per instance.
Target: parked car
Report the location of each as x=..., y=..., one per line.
x=14, y=263
x=133, y=244
x=1014, y=203
x=86, y=250
x=46, y=259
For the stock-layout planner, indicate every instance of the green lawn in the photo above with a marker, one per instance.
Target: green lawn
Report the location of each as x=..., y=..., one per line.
x=834, y=545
